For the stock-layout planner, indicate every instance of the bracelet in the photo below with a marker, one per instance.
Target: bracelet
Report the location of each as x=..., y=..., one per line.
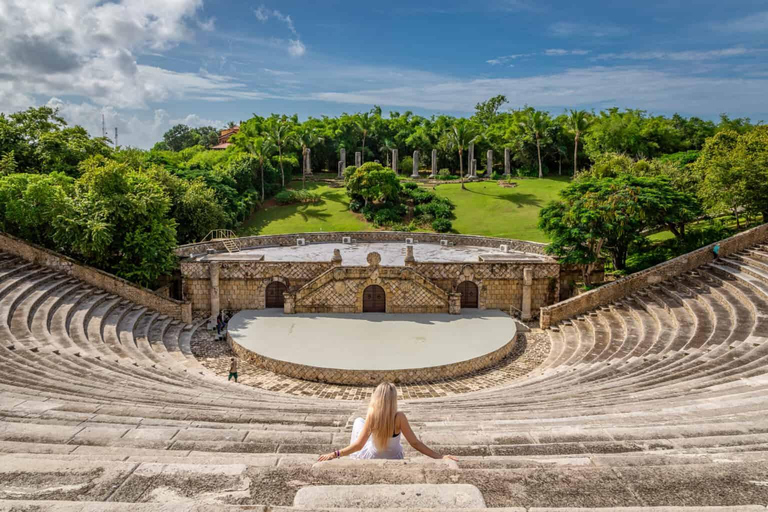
x=338, y=453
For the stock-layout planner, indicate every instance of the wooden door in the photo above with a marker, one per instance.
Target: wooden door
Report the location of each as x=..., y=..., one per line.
x=374, y=300
x=275, y=298
x=468, y=291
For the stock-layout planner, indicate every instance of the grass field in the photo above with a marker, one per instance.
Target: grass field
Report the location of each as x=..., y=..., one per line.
x=484, y=208
x=331, y=214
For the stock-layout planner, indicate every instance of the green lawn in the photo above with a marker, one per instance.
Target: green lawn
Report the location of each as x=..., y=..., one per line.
x=329, y=215
x=485, y=208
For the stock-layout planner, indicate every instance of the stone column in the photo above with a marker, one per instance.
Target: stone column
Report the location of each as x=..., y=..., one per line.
x=454, y=303
x=308, y=162
x=489, y=164
x=409, y=259
x=507, y=163
x=358, y=159
x=394, y=160
x=474, y=167
x=434, y=164
x=471, y=157
x=289, y=304
x=215, y=270
x=415, y=173
x=343, y=158
x=527, y=285
x=341, y=168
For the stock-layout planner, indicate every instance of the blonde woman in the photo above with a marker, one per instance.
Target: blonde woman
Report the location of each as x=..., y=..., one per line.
x=378, y=436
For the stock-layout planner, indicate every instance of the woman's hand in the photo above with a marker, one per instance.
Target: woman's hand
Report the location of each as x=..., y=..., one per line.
x=327, y=456
x=450, y=457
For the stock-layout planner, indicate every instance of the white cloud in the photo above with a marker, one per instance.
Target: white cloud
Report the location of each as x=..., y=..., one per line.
x=294, y=46
x=682, y=56
x=757, y=22
x=569, y=29
x=557, y=52
x=598, y=87
x=504, y=59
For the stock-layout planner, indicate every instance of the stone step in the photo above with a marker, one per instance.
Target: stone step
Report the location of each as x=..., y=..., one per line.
x=414, y=496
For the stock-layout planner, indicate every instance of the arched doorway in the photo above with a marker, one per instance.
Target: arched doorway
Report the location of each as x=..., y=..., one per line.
x=374, y=299
x=275, y=291
x=468, y=291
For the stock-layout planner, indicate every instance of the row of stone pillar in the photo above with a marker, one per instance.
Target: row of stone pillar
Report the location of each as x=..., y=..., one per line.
x=471, y=172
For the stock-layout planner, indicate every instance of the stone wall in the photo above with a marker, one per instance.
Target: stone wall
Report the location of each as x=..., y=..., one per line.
x=364, y=236
x=551, y=315
x=95, y=277
x=341, y=291
x=372, y=377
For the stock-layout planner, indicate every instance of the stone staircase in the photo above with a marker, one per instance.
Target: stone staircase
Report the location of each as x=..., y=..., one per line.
x=658, y=400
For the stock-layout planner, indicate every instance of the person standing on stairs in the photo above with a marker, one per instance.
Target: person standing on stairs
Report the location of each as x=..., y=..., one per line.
x=232, y=370
x=378, y=435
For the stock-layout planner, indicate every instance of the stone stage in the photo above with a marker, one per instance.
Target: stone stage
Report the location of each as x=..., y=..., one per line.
x=366, y=348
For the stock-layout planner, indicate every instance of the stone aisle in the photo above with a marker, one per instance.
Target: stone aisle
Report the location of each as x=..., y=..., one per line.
x=531, y=350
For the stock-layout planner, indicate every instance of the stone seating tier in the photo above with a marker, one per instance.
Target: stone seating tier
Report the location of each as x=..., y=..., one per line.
x=656, y=400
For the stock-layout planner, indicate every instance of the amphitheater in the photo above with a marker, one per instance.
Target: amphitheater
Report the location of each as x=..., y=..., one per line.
x=648, y=393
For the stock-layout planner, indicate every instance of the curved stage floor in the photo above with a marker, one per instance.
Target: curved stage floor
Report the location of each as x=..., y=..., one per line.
x=365, y=348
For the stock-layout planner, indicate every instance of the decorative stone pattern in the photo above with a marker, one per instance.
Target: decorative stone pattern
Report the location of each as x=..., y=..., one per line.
x=340, y=290
x=371, y=377
x=529, y=352
x=98, y=278
x=551, y=315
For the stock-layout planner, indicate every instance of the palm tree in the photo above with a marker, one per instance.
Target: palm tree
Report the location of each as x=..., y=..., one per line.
x=537, y=123
x=460, y=136
x=386, y=147
x=257, y=145
x=363, y=122
x=308, y=138
x=579, y=122
x=279, y=133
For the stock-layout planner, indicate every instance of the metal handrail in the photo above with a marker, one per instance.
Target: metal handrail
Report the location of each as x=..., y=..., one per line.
x=219, y=234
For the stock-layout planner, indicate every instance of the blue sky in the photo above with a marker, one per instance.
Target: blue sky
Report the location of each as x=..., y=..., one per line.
x=146, y=66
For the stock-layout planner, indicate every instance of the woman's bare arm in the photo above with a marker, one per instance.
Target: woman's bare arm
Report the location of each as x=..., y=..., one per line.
x=352, y=448
x=417, y=444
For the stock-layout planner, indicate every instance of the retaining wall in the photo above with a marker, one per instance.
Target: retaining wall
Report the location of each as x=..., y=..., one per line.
x=551, y=315
x=95, y=277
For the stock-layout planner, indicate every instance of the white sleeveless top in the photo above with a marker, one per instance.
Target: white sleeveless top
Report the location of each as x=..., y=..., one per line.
x=394, y=449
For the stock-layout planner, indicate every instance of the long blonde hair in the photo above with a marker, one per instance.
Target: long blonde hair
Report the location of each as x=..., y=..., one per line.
x=381, y=414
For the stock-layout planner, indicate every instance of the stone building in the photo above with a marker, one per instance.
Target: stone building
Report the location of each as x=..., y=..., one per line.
x=359, y=272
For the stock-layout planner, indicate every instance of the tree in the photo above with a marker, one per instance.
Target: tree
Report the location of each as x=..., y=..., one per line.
x=259, y=147
x=537, y=123
x=373, y=182
x=733, y=171
x=119, y=220
x=579, y=122
x=181, y=137
x=279, y=133
x=209, y=136
x=459, y=137
x=363, y=122
x=486, y=112
x=387, y=147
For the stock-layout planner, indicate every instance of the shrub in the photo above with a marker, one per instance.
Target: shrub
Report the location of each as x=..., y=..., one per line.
x=497, y=176
x=406, y=165
x=442, y=225
x=356, y=205
x=348, y=172
x=443, y=173
x=385, y=216
x=410, y=185
x=438, y=208
x=290, y=196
